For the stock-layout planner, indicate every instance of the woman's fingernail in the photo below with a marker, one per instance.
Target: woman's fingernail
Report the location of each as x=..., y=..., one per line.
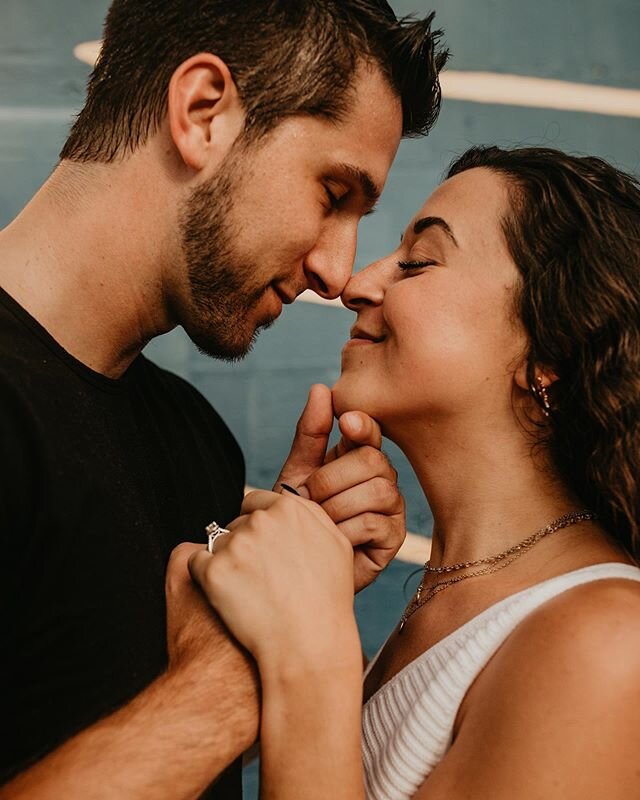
x=288, y=488
x=304, y=492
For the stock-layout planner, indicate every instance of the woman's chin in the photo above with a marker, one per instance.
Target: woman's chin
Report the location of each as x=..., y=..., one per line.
x=347, y=397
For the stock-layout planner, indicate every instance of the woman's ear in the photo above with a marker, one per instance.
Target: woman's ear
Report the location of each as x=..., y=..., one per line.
x=524, y=379
x=204, y=111
x=536, y=382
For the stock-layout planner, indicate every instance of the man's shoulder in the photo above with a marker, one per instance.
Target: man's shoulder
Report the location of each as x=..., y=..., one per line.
x=184, y=399
x=177, y=388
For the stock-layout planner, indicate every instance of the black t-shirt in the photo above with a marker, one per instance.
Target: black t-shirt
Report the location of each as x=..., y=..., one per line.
x=100, y=480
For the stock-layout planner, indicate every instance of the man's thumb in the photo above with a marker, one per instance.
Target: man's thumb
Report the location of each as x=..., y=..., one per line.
x=358, y=429
x=311, y=438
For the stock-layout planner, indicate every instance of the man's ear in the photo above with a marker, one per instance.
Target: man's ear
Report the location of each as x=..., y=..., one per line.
x=204, y=110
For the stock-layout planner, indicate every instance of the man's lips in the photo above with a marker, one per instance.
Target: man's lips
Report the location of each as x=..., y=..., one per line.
x=286, y=297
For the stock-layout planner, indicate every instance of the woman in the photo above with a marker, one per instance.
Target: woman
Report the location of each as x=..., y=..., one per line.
x=499, y=347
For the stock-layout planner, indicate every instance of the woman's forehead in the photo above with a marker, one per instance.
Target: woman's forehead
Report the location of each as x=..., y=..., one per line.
x=473, y=205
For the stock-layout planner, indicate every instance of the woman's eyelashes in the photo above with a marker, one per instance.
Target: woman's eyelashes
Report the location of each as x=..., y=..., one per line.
x=405, y=266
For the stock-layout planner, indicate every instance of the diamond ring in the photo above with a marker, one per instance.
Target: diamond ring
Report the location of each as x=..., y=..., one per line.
x=214, y=531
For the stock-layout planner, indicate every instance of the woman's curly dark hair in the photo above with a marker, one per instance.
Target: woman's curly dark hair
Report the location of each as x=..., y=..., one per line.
x=573, y=230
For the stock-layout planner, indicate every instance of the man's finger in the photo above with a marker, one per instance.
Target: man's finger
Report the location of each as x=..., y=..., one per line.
x=357, y=429
x=379, y=495
x=376, y=531
x=199, y=565
x=352, y=469
x=180, y=555
x=311, y=438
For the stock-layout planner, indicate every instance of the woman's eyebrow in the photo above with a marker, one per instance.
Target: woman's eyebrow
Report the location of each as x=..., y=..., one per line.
x=429, y=222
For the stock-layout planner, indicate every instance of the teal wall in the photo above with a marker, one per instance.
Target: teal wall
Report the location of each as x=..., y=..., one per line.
x=581, y=40
x=41, y=84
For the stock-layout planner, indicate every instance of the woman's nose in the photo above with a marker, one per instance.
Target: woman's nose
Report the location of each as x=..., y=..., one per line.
x=366, y=287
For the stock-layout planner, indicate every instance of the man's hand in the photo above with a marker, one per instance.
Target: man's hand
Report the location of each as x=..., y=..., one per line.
x=354, y=482
x=177, y=735
x=199, y=644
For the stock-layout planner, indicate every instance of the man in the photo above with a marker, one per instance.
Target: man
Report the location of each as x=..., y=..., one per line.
x=220, y=166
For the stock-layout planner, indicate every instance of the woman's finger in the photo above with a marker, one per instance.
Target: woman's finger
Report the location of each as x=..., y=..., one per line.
x=258, y=499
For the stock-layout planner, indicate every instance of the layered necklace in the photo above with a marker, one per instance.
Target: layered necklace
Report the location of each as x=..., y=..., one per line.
x=494, y=563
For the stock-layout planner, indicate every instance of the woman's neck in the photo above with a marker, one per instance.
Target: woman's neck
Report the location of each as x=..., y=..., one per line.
x=485, y=487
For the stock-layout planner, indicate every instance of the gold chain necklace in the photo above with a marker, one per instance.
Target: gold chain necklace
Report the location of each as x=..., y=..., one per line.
x=497, y=562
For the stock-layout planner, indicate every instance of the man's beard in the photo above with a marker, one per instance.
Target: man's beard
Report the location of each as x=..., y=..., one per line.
x=218, y=319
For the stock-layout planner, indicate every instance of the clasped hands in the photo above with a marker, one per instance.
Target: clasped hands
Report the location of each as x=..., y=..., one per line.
x=295, y=559
x=291, y=563
x=353, y=483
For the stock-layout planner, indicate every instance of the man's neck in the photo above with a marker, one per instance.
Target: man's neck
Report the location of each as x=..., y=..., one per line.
x=85, y=258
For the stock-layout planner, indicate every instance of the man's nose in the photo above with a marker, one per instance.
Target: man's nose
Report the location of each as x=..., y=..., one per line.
x=328, y=266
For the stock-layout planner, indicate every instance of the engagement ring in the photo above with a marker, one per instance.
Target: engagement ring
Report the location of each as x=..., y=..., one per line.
x=214, y=531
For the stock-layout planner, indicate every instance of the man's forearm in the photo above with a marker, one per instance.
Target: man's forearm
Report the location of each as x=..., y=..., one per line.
x=170, y=742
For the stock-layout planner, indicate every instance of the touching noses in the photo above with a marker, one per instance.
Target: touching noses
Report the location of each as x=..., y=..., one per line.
x=366, y=288
x=328, y=266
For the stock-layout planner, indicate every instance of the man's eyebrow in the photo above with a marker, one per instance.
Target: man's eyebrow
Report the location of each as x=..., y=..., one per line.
x=368, y=186
x=429, y=222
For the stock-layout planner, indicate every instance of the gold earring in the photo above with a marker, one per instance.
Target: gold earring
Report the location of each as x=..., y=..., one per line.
x=540, y=393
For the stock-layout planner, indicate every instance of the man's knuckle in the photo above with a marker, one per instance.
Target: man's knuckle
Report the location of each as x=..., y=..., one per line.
x=181, y=551
x=320, y=484
x=331, y=508
x=370, y=522
x=384, y=490
x=372, y=457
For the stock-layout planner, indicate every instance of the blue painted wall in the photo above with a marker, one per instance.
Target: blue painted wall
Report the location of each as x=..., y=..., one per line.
x=582, y=40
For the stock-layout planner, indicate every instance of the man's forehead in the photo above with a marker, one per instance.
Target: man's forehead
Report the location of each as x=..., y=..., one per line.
x=374, y=116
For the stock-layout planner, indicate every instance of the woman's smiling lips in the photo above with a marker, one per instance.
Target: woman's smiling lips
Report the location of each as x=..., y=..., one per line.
x=361, y=337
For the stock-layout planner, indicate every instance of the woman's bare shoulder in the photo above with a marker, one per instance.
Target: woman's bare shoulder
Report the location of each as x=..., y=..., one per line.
x=559, y=701
x=587, y=636
x=591, y=619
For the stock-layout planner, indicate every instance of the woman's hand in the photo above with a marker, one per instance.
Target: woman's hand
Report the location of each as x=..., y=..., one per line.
x=283, y=584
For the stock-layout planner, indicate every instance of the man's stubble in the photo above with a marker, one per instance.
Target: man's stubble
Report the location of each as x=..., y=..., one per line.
x=223, y=284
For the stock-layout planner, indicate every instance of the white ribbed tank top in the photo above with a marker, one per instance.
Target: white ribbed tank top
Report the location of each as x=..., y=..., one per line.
x=407, y=724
